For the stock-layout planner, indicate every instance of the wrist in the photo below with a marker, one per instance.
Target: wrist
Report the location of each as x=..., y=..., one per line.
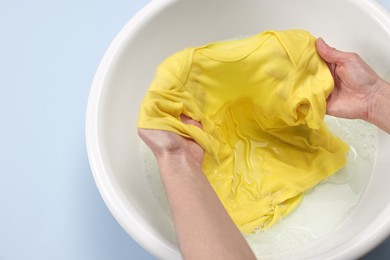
x=177, y=162
x=378, y=108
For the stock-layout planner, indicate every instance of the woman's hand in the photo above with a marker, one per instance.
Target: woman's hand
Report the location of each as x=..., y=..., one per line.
x=359, y=93
x=355, y=83
x=166, y=145
x=203, y=227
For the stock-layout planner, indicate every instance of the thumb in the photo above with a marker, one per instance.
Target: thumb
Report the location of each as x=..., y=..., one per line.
x=329, y=54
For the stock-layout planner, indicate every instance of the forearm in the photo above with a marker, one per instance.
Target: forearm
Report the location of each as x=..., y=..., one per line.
x=379, y=113
x=203, y=227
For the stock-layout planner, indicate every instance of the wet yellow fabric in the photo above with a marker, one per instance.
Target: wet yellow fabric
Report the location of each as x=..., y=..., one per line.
x=261, y=101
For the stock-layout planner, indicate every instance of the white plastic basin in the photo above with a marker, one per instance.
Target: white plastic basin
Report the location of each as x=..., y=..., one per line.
x=166, y=26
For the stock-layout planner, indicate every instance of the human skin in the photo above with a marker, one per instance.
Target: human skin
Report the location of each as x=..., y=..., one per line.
x=203, y=227
x=359, y=93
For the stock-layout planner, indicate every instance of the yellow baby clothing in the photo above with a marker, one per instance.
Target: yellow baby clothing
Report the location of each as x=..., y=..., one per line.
x=261, y=102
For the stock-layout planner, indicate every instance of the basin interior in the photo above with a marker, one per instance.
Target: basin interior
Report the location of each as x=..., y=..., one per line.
x=166, y=27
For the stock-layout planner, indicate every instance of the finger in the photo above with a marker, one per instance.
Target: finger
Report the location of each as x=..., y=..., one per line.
x=187, y=120
x=329, y=54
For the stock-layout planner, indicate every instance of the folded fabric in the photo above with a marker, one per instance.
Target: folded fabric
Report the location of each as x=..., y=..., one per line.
x=261, y=102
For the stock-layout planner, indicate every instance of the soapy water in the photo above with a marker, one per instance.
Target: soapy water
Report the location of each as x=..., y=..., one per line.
x=322, y=209
x=151, y=170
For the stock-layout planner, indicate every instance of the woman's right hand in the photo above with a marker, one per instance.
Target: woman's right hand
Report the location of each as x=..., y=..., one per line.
x=355, y=83
x=359, y=93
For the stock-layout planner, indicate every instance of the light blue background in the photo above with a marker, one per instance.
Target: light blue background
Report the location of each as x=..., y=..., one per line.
x=50, y=207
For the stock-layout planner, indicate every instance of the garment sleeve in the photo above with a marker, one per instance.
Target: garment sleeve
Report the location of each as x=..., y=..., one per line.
x=167, y=98
x=311, y=82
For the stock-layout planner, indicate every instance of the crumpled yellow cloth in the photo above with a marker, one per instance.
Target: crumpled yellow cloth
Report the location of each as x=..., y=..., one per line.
x=261, y=102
